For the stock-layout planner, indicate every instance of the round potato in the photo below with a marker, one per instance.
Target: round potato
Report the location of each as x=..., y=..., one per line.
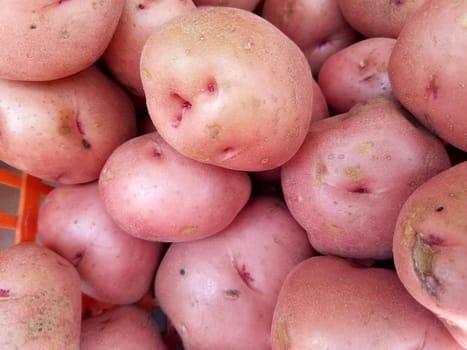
x=226, y=87
x=64, y=130
x=52, y=39
x=40, y=300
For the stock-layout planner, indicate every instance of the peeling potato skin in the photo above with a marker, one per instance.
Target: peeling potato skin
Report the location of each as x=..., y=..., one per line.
x=430, y=245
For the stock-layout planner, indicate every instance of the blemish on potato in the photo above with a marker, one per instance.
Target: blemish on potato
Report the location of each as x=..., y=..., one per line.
x=32, y=26
x=439, y=209
x=364, y=148
x=4, y=293
x=182, y=272
x=264, y=161
x=432, y=89
x=141, y=6
x=196, y=155
x=353, y=172
x=65, y=34
x=282, y=335
x=214, y=130
x=333, y=227
x=187, y=230
x=321, y=170
x=145, y=74
x=232, y=294
x=422, y=257
x=85, y=144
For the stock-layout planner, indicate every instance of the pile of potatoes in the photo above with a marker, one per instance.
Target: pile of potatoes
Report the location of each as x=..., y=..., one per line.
x=276, y=174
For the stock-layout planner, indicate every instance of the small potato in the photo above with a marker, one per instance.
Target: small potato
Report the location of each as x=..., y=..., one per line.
x=138, y=20
x=64, y=130
x=316, y=26
x=430, y=246
x=248, y=5
x=40, y=300
x=153, y=192
x=51, y=39
x=220, y=292
x=121, y=328
x=357, y=73
x=354, y=171
x=227, y=88
x=328, y=303
x=114, y=266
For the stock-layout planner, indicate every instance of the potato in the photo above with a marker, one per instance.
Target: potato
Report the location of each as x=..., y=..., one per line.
x=328, y=303
x=114, y=266
x=220, y=292
x=138, y=20
x=153, y=192
x=357, y=73
x=351, y=176
x=378, y=18
x=316, y=26
x=64, y=130
x=430, y=245
x=52, y=39
x=428, y=72
x=40, y=300
x=121, y=328
x=225, y=87
x=248, y=5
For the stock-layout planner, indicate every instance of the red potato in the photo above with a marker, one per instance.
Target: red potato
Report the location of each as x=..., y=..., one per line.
x=138, y=20
x=40, y=300
x=153, y=192
x=52, y=39
x=357, y=73
x=328, y=303
x=64, y=130
x=248, y=5
x=430, y=245
x=351, y=176
x=114, y=266
x=220, y=292
x=316, y=26
x=428, y=72
x=378, y=18
x=121, y=328
x=226, y=87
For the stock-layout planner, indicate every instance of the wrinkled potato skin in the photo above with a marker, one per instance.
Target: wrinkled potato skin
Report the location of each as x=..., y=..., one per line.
x=356, y=74
x=64, y=130
x=428, y=72
x=378, y=18
x=328, y=303
x=248, y=5
x=316, y=26
x=40, y=300
x=52, y=39
x=121, y=328
x=227, y=88
x=430, y=245
x=138, y=20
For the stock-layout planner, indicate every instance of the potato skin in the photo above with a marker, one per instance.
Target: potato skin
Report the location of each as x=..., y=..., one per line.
x=40, y=300
x=248, y=5
x=430, y=244
x=328, y=303
x=428, y=72
x=63, y=130
x=226, y=87
x=52, y=39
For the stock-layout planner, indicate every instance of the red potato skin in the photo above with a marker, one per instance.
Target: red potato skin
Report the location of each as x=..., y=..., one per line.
x=428, y=72
x=233, y=278
x=316, y=26
x=351, y=176
x=121, y=328
x=248, y=5
x=40, y=300
x=52, y=39
x=114, y=266
x=138, y=20
x=430, y=245
x=328, y=303
x=356, y=74
x=63, y=131
x=226, y=87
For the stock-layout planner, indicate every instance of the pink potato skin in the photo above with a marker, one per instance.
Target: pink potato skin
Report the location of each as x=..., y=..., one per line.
x=378, y=18
x=226, y=87
x=52, y=39
x=349, y=179
x=329, y=303
x=220, y=292
x=64, y=130
x=316, y=26
x=138, y=20
x=248, y=5
x=121, y=328
x=428, y=72
x=155, y=193
x=430, y=245
x=356, y=73
x=114, y=266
